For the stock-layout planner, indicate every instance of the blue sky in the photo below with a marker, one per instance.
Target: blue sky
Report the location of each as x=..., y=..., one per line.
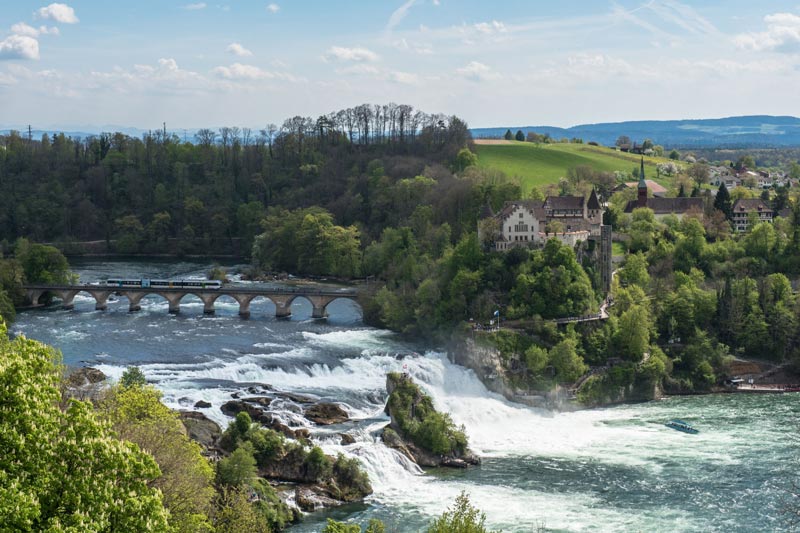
x=249, y=63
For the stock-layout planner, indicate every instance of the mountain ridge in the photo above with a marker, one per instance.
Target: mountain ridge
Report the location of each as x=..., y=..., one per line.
x=732, y=132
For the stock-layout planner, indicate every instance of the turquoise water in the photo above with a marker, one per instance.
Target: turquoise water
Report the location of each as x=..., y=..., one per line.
x=616, y=469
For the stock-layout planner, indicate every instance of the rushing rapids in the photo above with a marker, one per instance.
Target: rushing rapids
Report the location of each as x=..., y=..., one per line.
x=615, y=469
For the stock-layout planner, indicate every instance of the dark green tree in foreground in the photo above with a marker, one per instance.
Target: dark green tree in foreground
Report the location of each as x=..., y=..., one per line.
x=519, y=136
x=508, y=136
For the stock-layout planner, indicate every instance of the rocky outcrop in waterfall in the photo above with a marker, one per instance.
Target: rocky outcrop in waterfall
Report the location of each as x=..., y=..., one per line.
x=417, y=430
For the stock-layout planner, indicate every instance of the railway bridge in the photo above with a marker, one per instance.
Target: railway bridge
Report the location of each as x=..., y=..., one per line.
x=281, y=297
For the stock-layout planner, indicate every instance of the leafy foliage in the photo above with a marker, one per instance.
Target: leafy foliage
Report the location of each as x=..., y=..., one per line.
x=462, y=517
x=64, y=470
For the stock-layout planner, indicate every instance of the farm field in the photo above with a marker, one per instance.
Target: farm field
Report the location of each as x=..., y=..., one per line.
x=546, y=163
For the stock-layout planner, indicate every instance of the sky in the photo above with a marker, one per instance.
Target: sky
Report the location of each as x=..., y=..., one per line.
x=248, y=63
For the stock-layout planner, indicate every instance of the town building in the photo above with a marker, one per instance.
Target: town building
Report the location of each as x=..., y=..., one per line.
x=662, y=207
x=748, y=210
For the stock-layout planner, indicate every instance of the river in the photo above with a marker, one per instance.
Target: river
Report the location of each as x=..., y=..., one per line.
x=605, y=470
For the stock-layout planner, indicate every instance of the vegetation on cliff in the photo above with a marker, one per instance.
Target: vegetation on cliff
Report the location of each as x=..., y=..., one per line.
x=276, y=458
x=415, y=419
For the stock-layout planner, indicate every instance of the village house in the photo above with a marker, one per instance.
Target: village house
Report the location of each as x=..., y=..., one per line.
x=747, y=210
x=662, y=207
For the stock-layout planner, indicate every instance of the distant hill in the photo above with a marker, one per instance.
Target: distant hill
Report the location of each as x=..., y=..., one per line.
x=84, y=131
x=732, y=132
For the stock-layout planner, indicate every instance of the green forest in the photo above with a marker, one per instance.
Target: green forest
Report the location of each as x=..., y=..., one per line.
x=392, y=195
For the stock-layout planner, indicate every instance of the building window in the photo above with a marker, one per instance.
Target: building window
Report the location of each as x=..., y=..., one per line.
x=520, y=215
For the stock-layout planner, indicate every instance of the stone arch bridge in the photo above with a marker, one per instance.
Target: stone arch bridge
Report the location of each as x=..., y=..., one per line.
x=281, y=297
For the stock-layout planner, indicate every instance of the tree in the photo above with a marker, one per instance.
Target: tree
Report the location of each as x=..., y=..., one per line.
x=635, y=271
x=64, y=470
x=519, y=136
x=235, y=513
x=700, y=173
x=130, y=233
x=675, y=155
x=41, y=263
x=745, y=162
x=622, y=140
x=465, y=158
x=722, y=201
x=566, y=361
x=137, y=415
x=508, y=136
x=462, y=517
x=133, y=377
x=238, y=470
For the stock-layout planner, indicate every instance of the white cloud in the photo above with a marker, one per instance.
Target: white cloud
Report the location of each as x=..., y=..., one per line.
x=490, y=28
x=782, y=35
x=399, y=14
x=19, y=47
x=59, y=12
x=406, y=78
x=7, y=79
x=372, y=71
x=195, y=7
x=417, y=48
x=20, y=28
x=238, y=50
x=340, y=53
x=273, y=8
x=476, y=71
x=240, y=72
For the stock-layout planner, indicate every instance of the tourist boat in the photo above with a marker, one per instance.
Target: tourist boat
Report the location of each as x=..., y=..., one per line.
x=680, y=425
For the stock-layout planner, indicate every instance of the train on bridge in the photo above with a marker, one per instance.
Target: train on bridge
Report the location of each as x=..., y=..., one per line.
x=163, y=283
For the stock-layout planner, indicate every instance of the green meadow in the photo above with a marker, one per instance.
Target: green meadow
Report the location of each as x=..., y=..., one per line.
x=546, y=163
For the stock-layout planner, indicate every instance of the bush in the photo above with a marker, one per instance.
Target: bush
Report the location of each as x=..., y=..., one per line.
x=317, y=464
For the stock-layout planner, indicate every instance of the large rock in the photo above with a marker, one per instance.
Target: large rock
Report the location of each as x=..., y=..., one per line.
x=310, y=498
x=200, y=429
x=326, y=414
x=84, y=383
x=256, y=412
x=406, y=402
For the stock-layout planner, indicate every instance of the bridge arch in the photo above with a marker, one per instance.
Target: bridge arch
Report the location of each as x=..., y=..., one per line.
x=338, y=301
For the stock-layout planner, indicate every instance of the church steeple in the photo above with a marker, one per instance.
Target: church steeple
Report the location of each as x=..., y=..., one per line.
x=642, y=196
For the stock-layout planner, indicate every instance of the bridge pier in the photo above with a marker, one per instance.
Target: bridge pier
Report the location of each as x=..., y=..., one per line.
x=134, y=299
x=174, y=302
x=244, y=305
x=283, y=306
x=208, y=303
x=67, y=299
x=100, y=300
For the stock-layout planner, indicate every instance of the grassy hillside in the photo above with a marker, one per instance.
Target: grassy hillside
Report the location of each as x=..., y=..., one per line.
x=537, y=166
